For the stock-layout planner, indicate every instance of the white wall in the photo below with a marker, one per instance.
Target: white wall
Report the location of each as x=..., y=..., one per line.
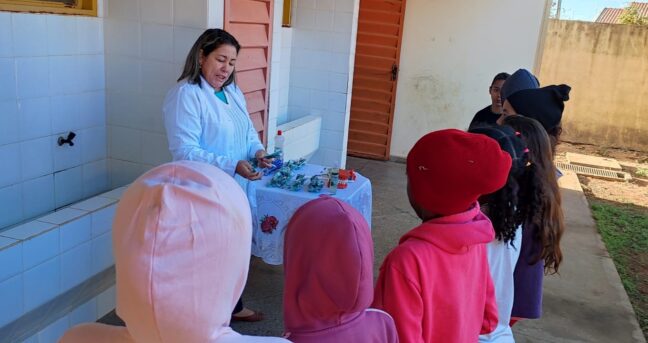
x=322, y=51
x=450, y=53
x=147, y=42
x=51, y=82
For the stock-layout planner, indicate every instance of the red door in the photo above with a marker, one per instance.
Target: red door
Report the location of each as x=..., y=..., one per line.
x=250, y=21
x=380, y=28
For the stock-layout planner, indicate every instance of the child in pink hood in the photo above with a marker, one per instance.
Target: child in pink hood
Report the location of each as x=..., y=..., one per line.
x=181, y=238
x=436, y=283
x=328, y=259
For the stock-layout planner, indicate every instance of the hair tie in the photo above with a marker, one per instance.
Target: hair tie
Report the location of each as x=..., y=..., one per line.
x=526, y=150
x=517, y=133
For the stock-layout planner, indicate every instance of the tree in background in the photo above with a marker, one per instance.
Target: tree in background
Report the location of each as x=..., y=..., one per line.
x=631, y=16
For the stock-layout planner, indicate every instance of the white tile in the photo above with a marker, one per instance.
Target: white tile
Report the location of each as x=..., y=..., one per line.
x=305, y=18
x=11, y=300
x=32, y=74
x=102, y=253
x=65, y=114
x=36, y=158
x=86, y=313
x=35, y=118
x=123, y=172
x=157, y=42
x=62, y=38
x=29, y=34
x=102, y=220
x=34, y=293
x=7, y=79
x=324, y=20
x=157, y=11
x=337, y=102
x=75, y=232
x=64, y=74
x=95, y=178
x=150, y=109
x=10, y=205
x=122, y=9
x=126, y=144
x=106, y=302
x=28, y=230
x=158, y=77
x=190, y=13
x=339, y=63
x=92, y=109
x=93, y=204
x=41, y=248
x=154, y=149
x=183, y=40
x=92, y=143
x=91, y=71
x=10, y=258
x=122, y=37
x=38, y=196
x=122, y=109
x=344, y=5
x=10, y=162
x=331, y=139
x=76, y=266
x=6, y=42
x=90, y=35
x=311, y=4
x=115, y=193
x=122, y=74
x=54, y=332
x=341, y=43
x=333, y=121
x=326, y=5
x=66, y=156
x=343, y=22
x=68, y=186
x=338, y=83
x=62, y=216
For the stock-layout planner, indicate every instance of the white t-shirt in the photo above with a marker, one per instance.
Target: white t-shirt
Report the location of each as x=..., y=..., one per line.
x=502, y=258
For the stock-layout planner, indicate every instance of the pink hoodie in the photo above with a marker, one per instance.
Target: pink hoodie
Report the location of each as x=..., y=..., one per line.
x=181, y=236
x=436, y=283
x=328, y=258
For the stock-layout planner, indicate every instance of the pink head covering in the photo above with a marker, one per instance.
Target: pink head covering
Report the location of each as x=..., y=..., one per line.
x=181, y=237
x=328, y=258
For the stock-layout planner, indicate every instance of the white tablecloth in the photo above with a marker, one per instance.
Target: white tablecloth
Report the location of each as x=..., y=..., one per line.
x=277, y=206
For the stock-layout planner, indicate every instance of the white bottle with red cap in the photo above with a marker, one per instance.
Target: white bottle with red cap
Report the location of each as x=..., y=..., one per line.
x=279, y=144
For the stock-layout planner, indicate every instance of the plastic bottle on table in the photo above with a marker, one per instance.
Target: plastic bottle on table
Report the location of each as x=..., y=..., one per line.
x=279, y=145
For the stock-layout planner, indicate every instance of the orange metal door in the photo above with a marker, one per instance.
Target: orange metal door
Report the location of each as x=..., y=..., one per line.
x=380, y=28
x=250, y=21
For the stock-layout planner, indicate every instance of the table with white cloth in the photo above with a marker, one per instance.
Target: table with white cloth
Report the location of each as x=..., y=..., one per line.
x=275, y=207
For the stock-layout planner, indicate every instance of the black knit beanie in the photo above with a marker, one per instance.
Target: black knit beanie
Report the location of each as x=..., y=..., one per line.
x=545, y=104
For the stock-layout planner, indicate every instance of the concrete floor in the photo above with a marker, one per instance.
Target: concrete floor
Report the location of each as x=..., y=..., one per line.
x=585, y=303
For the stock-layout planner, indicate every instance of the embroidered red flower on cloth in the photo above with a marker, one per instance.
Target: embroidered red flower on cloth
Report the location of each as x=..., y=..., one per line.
x=269, y=224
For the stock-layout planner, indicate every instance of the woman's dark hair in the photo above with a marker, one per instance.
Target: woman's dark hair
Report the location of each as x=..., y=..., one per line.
x=502, y=206
x=540, y=195
x=208, y=41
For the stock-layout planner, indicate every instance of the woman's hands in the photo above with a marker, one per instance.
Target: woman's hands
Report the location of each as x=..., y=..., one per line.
x=245, y=169
x=263, y=162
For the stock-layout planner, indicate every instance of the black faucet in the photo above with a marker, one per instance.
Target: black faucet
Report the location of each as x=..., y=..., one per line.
x=67, y=140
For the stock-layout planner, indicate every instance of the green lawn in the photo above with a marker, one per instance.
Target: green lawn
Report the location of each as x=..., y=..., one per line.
x=624, y=229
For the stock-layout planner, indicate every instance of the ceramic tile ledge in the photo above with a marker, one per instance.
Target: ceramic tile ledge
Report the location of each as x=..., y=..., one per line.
x=96, y=288
x=24, y=231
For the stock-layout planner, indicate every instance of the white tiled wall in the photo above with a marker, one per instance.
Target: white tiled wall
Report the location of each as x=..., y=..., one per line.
x=147, y=42
x=322, y=52
x=60, y=250
x=51, y=82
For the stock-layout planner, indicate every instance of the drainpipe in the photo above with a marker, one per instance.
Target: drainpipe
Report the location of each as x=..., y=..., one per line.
x=558, y=8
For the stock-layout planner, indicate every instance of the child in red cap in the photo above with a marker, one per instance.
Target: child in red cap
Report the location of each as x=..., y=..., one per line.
x=436, y=283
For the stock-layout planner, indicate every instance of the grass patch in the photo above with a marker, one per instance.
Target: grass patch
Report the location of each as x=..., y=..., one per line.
x=624, y=229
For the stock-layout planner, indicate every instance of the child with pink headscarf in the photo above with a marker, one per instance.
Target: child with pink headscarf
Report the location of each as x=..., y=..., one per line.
x=328, y=262
x=181, y=237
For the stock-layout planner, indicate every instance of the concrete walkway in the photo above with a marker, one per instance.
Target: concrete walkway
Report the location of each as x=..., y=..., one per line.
x=586, y=303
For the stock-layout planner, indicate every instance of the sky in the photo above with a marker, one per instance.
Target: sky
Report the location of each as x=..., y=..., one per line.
x=588, y=10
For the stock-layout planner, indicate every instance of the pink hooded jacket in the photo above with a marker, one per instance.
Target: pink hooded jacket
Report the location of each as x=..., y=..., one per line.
x=436, y=283
x=328, y=263
x=181, y=237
